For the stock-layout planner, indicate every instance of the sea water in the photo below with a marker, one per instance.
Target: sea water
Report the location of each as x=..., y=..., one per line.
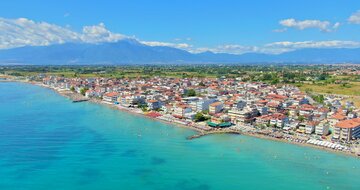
x=48, y=142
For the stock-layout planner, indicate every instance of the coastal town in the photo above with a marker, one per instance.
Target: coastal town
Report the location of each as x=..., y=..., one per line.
x=225, y=105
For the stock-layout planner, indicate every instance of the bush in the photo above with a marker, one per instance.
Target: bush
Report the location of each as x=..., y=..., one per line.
x=200, y=117
x=190, y=92
x=83, y=91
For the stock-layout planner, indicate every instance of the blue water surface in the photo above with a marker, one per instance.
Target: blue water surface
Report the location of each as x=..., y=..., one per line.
x=48, y=142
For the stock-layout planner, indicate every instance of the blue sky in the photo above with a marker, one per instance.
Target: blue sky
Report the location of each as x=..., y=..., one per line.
x=222, y=26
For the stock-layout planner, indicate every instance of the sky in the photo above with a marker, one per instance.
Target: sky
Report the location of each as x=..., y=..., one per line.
x=228, y=26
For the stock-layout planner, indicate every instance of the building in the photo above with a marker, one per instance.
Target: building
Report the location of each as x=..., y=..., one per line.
x=153, y=104
x=111, y=97
x=181, y=110
x=310, y=127
x=203, y=104
x=263, y=120
x=278, y=120
x=347, y=129
x=322, y=129
x=215, y=107
x=234, y=114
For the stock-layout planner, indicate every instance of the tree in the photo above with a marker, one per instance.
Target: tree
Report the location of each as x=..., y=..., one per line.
x=301, y=118
x=83, y=91
x=143, y=107
x=72, y=88
x=190, y=92
x=319, y=99
x=267, y=76
x=275, y=81
x=323, y=76
x=200, y=117
x=205, y=112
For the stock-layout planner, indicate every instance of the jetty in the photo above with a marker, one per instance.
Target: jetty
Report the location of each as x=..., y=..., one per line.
x=201, y=134
x=74, y=96
x=195, y=136
x=80, y=100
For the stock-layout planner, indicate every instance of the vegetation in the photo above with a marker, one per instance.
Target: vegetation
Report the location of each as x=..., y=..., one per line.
x=318, y=98
x=143, y=107
x=190, y=93
x=301, y=118
x=200, y=117
x=83, y=91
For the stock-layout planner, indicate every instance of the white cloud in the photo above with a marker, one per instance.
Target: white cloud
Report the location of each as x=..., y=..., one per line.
x=182, y=39
x=229, y=48
x=355, y=18
x=24, y=32
x=279, y=47
x=336, y=25
x=324, y=26
x=315, y=44
x=99, y=33
x=285, y=46
x=184, y=46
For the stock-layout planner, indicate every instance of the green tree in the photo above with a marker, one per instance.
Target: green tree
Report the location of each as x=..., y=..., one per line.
x=301, y=118
x=200, y=117
x=83, y=91
x=275, y=81
x=190, y=92
x=319, y=99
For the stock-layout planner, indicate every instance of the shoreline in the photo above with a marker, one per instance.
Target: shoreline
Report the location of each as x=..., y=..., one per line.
x=200, y=132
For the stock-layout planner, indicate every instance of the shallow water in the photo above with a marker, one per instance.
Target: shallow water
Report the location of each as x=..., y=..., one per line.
x=48, y=142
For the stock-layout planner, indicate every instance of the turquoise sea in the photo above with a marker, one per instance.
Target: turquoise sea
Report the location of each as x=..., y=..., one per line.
x=48, y=142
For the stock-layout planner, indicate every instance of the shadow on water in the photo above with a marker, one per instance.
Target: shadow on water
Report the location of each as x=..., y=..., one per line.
x=88, y=176
x=130, y=153
x=157, y=161
x=143, y=172
x=191, y=184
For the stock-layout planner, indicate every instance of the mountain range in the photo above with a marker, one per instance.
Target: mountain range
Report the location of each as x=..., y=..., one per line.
x=131, y=51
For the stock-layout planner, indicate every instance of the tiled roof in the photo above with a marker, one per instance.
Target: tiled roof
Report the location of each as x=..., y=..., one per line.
x=216, y=104
x=350, y=123
x=111, y=94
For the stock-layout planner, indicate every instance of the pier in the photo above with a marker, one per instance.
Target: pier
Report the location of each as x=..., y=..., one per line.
x=201, y=134
x=76, y=98
x=80, y=100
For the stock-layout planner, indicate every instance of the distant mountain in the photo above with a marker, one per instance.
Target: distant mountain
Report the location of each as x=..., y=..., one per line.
x=130, y=51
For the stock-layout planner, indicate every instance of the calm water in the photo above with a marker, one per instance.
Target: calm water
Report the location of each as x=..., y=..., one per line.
x=47, y=142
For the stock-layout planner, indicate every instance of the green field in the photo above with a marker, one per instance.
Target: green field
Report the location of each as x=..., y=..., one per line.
x=352, y=89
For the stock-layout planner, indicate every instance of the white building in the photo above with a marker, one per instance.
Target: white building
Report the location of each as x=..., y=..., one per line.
x=203, y=104
x=111, y=97
x=322, y=129
x=215, y=107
